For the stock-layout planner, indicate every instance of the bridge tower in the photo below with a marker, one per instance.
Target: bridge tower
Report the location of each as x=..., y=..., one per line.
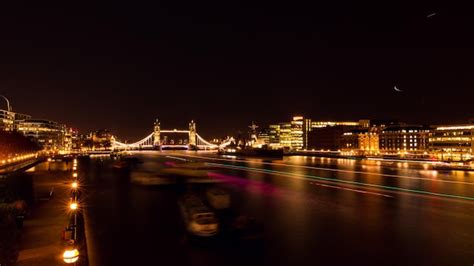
x=156, y=134
x=192, y=134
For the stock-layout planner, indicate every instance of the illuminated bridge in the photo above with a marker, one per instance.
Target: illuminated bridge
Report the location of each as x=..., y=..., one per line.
x=160, y=139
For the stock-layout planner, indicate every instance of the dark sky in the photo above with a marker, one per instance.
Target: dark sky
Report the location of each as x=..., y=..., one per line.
x=119, y=65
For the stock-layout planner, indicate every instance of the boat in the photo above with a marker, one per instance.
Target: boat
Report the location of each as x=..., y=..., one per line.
x=198, y=218
x=218, y=198
x=453, y=167
x=246, y=228
x=252, y=152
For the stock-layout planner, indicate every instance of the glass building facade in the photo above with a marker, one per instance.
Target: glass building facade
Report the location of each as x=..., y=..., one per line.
x=452, y=143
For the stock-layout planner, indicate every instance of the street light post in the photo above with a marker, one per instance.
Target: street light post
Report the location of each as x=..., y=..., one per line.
x=9, y=108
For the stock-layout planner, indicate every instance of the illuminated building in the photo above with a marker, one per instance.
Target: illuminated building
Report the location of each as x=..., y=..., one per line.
x=285, y=135
x=452, y=143
x=7, y=117
x=274, y=135
x=48, y=134
x=327, y=138
x=20, y=118
x=264, y=136
x=382, y=123
x=320, y=124
x=404, y=140
x=67, y=139
x=75, y=139
x=360, y=142
x=101, y=139
x=297, y=136
x=7, y=120
x=306, y=130
x=364, y=123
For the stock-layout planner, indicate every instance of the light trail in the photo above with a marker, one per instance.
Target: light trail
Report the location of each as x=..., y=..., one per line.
x=177, y=158
x=334, y=170
x=313, y=177
x=354, y=190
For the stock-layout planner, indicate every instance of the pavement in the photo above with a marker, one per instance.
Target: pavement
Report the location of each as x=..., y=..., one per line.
x=41, y=241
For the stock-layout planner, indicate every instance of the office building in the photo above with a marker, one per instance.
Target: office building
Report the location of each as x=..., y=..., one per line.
x=297, y=133
x=7, y=120
x=327, y=138
x=285, y=135
x=453, y=142
x=360, y=142
x=404, y=140
x=48, y=134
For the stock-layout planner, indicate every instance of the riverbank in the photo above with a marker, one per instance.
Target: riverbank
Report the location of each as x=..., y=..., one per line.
x=41, y=242
x=435, y=164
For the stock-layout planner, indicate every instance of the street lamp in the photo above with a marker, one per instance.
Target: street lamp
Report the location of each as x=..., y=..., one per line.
x=74, y=175
x=71, y=255
x=73, y=206
x=74, y=185
x=9, y=108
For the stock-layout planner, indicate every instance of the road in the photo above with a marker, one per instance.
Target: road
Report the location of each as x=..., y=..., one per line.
x=315, y=211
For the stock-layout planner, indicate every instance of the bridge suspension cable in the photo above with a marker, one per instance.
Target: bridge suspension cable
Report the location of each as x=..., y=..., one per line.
x=147, y=142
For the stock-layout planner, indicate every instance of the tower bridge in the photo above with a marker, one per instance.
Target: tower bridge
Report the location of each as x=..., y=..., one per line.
x=159, y=139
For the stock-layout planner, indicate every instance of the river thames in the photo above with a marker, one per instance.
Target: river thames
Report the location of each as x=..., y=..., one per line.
x=312, y=211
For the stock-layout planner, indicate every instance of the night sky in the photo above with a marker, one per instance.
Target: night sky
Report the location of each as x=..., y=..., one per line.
x=120, y=65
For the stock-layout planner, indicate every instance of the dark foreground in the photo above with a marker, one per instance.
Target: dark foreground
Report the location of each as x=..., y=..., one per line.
x=306, y=221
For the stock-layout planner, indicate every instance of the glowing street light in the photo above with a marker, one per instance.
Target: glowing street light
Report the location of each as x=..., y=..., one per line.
x=71, y=255
x=73, y=206
x=74, y=175
x=74, y=185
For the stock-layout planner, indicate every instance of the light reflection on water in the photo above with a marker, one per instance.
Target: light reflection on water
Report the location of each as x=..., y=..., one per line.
x=305, y=222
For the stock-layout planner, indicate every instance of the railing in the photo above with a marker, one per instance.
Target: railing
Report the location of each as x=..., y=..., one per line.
x=17, y=162
x=147, y=142
x=16, y=159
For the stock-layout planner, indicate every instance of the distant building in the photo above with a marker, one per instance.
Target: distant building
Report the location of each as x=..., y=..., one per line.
x=264, y=136
x=48, y=134
x=383, y=123
x=20, y=118
x=327, y=138
x=101, y=139
x=364, y=123
x=75, y=140
x=321, y=124
x=285, y=135
x=68, y=140
x=360, y=142
x=274, y=136
x=404, y=140
x=452, y=143
x=7, y=120
x=297, y=133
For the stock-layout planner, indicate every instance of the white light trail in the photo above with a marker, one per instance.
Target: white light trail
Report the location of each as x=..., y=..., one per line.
x=334, y=170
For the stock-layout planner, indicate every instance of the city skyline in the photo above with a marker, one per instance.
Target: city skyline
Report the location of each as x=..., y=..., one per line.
x=122, y=66
x=235, y=133
x=142, y=127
